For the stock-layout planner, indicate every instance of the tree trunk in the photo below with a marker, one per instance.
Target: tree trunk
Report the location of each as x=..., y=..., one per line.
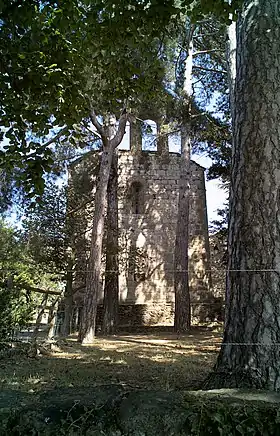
x=231, y=67
x=182, y=320
x=52, y=319
x=93, y=274
x=111, y=289
x=68, y=301
x=182, y=315
x=250, y=352
x=111, y=138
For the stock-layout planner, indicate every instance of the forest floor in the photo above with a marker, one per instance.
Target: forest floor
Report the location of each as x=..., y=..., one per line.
x=151, y=360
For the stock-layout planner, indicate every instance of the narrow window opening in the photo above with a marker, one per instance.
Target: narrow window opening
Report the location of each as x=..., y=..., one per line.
x=125, y=143
x=137, y=198
x=149, y=135
x=174, y=143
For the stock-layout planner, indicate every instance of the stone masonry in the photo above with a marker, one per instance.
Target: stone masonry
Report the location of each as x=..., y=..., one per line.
x=148, y=187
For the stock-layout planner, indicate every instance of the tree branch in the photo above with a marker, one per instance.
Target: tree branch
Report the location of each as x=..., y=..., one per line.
x=93, y=132
x=82, y=206
x=97, y=124
x=201, y=35
x=197, y=81
x=59, y=134
x=191, y=32
x=121, y=131
x=198, y=115
x=39, y=290
x=212, y=70
x=206, y=51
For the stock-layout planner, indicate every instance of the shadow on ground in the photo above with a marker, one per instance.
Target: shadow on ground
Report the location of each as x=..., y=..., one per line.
x=139, y=361
x=129, y=384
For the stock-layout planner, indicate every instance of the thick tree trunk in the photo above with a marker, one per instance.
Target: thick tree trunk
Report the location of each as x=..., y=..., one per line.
x=111, y=289
x=250, y=352
x=68, y=308
x=111, y=138
x=182, y=315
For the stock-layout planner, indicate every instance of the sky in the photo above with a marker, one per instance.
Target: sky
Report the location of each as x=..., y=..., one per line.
x=215, y=196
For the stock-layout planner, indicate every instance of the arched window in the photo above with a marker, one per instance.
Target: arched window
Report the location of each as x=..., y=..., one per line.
x=174, y=143
x=125, y=143
x=149, y=135
x=137, y=198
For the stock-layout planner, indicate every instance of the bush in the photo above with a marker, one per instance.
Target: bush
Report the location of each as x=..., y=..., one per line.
x=16, y=310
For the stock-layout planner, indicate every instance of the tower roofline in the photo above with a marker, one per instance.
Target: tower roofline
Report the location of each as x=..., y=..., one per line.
x=154, y=153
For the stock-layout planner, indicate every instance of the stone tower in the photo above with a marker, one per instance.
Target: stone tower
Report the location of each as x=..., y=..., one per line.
x=148, y=188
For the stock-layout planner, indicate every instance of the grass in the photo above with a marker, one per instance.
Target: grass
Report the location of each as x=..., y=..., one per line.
x=153, y=361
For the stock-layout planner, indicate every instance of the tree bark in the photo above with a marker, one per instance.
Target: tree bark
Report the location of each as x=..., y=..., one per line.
x=182, y=315
x=93, y=273
x=111, y=138
x=250, y=352
x=111, y=288
x=182, y=319
x=231, y=66
x=68, y=301
x=52, y=319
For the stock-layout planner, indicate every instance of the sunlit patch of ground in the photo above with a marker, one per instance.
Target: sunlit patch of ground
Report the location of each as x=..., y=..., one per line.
x=161, y=361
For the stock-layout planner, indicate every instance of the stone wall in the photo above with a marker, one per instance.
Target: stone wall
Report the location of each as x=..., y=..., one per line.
x=147, y=239
x=148, y=188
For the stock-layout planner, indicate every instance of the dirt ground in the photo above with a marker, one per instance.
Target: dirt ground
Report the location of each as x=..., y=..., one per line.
x=152, y=360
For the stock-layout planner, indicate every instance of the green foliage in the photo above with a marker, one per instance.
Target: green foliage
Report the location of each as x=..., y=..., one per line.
x=6, y=189
x=16, y=310
x=211, y=131
x=45, y=231
x=220, y=226
x=213, y=137
x=21, y=271
x=232, y=419
x=16, y=304
x=225, y=10
x=60, y=57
